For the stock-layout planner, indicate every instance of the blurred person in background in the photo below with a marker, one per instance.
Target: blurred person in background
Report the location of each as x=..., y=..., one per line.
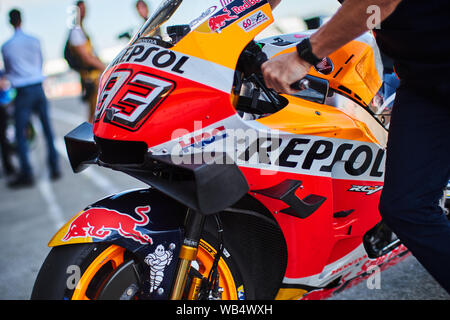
x=23, y=60
x=5, y=147
x=84, y=60
x=142, y=9
x=410, y=200
x=144, y=12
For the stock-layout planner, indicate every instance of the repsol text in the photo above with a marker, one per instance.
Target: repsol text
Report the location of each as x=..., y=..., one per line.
x=357, y=159
x=155, y=56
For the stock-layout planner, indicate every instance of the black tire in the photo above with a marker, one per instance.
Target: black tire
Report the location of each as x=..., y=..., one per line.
x=52, y=280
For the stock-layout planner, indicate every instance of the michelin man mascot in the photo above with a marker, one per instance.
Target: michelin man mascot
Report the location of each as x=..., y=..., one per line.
x=158, y=261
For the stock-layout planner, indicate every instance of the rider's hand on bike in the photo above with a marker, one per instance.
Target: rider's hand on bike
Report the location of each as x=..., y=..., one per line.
x=282, y=71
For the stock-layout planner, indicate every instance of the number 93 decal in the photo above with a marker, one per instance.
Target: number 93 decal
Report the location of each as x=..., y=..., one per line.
x=128, y=99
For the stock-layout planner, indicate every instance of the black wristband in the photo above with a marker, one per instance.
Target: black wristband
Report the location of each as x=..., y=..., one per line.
x=304, y=51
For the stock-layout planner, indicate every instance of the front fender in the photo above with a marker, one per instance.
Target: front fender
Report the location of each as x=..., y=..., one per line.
x=131, y=219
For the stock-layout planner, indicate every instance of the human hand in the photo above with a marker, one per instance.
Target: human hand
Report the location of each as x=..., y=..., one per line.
x=4, y=84
x=283, y=70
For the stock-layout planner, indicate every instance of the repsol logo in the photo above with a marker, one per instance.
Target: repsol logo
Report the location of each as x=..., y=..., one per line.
x=317, y=155
x=273, y=152
x=153, y=56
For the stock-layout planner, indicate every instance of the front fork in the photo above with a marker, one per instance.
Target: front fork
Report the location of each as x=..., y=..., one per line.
x=194, y=227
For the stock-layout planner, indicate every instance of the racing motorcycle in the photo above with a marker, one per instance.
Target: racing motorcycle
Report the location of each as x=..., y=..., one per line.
x=252, y=194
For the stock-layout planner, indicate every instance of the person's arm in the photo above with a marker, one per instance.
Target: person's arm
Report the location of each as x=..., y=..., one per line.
x=4, y=83
x=349, y=22
x=88, y=59
x=41, y=58
x=79, y=42
x=6, y=64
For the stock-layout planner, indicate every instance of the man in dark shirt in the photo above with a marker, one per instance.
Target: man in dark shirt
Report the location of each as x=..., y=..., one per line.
x=415, y=34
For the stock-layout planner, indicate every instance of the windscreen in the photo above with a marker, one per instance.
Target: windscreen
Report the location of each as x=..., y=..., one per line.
x=174, y=19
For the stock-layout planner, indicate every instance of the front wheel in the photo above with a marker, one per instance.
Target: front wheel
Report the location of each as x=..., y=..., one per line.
x=109, y=272
x=79, y=272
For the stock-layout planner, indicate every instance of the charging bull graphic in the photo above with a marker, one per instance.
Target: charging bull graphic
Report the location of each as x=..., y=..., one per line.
x=217, y=22
x=100, y=222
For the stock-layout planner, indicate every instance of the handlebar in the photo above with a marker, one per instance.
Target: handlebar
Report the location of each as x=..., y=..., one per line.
x=260, y=57
x=250, y=64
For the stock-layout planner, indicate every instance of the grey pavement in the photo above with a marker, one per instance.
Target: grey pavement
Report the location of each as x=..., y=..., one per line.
x=30, y=217
x=407, y=280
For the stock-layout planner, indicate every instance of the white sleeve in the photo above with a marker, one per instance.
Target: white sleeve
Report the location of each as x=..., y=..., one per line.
x=77, y=37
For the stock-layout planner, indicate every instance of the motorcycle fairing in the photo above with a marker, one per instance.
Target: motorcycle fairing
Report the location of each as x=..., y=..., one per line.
x=210, y=45
x=200, y=73
x=128, y=99
x=355, y=88
x=200, y=185
x=345, y=273
x=329, y=149
x=189, y=80
x=204, y=186
x=347, y=75
x=327, y=168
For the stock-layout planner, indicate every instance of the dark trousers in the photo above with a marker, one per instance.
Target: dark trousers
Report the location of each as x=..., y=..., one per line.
x=5, y=147
x=417, y=172
x=32, y=99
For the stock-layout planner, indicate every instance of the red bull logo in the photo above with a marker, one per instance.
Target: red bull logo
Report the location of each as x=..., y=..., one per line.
x=100, y=222
x=218, y=22
x=245, y=6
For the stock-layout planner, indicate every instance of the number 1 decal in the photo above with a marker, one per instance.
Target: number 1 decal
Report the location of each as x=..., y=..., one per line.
x=128, y=99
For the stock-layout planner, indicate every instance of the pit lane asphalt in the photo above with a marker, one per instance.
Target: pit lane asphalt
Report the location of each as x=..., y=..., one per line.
x=30, y=217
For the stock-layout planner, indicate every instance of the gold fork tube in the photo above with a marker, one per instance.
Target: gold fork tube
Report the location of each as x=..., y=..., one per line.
x=187, y=255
